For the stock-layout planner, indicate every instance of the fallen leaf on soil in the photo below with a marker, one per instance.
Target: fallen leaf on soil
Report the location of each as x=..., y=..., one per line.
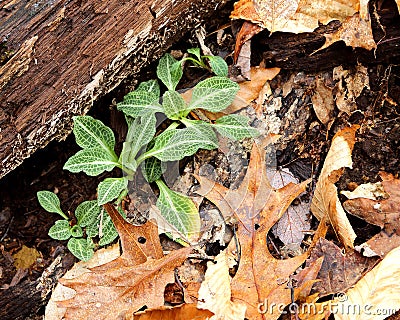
x=291, y=228
x=354, y=31
x=257, y=207
x=376, y=294
x=349, y=86
x=383, y=213
x=323, y=102
x=185, y=311
x=307, y=277
x=325, y=202
x=215, y=291
x=121, y=287
x=339, y=270
x=294, y=15
x=398, y=5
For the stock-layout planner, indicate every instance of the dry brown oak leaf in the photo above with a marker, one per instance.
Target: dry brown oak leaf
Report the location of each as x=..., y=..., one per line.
x=383, y=213
x=257, y=207
x=121, y=287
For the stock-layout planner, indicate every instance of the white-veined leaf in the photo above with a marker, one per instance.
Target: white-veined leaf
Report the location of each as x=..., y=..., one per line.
x=92, y=230
x=179, y=210
x=169, y=71
x=185, y=142
x=138, y=103
x=174, y=105
x=218, y=65
x=152, y=169
x=108, y=231
x=92, y=133
x=76, y=231
x=150, y=86
x=80, y=248
x=87, y=212
x=235, y=127
x=50, y=202
x=213, y=94
x=92, y=161
x=140, y=133
x=109, y=189
x=195, y=52
x=60, y=230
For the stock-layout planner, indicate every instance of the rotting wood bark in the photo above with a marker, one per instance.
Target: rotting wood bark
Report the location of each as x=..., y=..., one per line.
x=28, y=297
x=68, y=53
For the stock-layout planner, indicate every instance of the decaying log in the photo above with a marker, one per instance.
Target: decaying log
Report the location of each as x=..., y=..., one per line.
x=68, y=53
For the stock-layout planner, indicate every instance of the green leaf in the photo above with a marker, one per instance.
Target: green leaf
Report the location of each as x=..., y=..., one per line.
x=92, y=230
x=109, y=189
x=50, y=202
x=195, y=52
x=213, y=94
x=87, y=212
x=179, y=210
x=76, y=231
x=141, y=132
x=150, y=86
x=92, y=133
x=218, y=65
x=80, y=248
x=235, y=127
x=138, y=103
x=60, y=230
x=109, y=233
x=92, y=161
x=185, y=142
x=169, y=71
x=174, y=105
x=152, y=169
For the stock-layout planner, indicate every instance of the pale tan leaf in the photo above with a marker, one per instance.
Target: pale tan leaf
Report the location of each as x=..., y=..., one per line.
x=325, y=202
x=372, y=191
x=323, y=102
x=61, y=293
x=292, y=15
x=376, y=294
x=398, y=5
x=215, y=291
x=275, y=14
x=355, y=32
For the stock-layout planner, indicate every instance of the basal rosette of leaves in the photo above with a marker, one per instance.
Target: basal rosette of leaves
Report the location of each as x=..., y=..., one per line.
x=144, y=149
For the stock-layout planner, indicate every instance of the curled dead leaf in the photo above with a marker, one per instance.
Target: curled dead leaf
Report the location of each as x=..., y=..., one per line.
x=325, y=202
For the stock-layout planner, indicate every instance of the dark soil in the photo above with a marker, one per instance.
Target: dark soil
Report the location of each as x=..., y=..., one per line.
x=24, y=222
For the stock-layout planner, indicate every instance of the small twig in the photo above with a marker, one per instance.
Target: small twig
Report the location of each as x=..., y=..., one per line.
x=8, y=229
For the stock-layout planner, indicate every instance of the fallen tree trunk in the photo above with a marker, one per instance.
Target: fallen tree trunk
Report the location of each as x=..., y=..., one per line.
x=68, y=53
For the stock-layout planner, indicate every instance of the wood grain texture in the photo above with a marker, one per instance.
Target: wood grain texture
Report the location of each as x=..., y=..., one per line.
x=68, y=53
